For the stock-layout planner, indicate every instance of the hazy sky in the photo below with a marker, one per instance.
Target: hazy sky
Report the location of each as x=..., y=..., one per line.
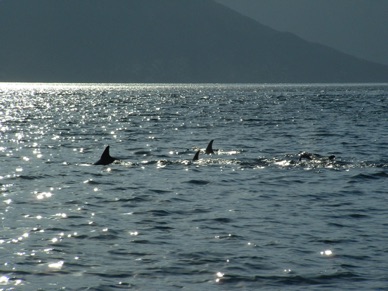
x=357, y=27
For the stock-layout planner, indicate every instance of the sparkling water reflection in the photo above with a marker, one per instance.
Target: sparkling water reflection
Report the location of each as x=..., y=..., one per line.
x=251, y=216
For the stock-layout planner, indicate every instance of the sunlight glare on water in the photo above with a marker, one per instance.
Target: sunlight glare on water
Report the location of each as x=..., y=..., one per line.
x=253, y=215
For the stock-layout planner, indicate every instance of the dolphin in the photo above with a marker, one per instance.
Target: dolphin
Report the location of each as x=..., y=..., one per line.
x=105, y=159
x=305, y=155
x=209, y=149
x=196, y=156
x=310, y=156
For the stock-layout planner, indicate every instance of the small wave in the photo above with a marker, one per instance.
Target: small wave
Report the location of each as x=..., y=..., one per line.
x=373, y=176
x=24, y=177
x=222, y=220
x=288, y=280
x=133, y=199
x=105, y=237
x=198, y=182
x=159, y=191
x=153, y=213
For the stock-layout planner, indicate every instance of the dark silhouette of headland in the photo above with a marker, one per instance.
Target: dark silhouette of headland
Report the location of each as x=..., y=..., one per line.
x=185, y=41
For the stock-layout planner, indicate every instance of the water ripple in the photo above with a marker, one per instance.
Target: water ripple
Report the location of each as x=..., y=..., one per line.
x=252, y=216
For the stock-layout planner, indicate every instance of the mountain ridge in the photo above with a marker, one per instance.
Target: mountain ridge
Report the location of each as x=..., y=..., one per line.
x=174, y=41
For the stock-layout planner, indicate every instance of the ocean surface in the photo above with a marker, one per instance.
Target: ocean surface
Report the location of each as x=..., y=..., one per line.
x=252, y=216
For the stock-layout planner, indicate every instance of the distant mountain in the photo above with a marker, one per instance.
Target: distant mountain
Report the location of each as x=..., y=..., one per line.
x=160, y=41
x=356, y=27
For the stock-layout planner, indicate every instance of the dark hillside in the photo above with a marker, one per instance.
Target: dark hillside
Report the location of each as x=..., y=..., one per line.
x=159, y=41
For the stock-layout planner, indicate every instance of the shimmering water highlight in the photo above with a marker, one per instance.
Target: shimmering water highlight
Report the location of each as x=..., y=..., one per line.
x=252, y=216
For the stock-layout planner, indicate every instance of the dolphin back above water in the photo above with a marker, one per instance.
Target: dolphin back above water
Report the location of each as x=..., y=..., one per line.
x=209, y=151
x=105, y=159
x=311, y=156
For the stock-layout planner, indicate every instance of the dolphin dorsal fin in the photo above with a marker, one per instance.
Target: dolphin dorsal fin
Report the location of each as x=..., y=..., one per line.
x=209, y=148
x=105, y=159
x=105, y=154
x=196, y=156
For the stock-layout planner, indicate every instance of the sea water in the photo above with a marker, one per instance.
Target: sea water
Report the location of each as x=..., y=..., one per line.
x=252, y=216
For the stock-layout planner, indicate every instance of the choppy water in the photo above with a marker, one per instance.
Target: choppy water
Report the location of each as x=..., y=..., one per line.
x=250, y=217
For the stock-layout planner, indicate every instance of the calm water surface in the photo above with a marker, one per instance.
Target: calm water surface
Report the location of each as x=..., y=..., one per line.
x=250, y=217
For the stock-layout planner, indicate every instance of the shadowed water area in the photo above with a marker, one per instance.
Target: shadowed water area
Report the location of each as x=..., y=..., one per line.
x=251, y=216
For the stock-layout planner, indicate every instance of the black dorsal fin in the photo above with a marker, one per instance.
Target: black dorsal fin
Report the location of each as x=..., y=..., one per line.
x=209, y=149
x=105, y=159
x=196, y=156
